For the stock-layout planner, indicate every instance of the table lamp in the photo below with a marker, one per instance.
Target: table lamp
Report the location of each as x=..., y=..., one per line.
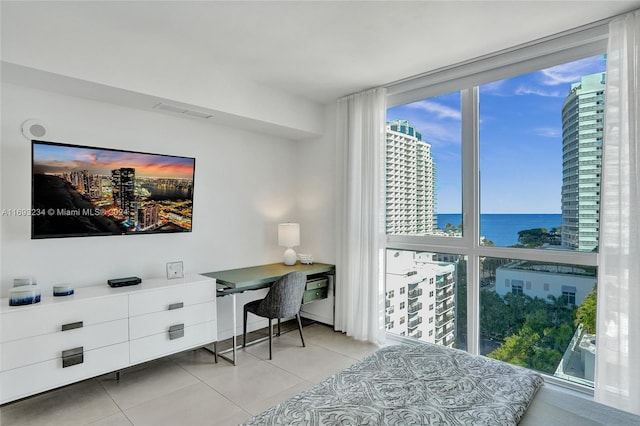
x=289, y=236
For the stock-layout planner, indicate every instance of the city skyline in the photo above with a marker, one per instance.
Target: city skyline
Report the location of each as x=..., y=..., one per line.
x=520, y=139
x=80, y=191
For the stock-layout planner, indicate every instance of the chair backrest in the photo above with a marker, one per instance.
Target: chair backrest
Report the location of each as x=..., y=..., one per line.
x=284, y=297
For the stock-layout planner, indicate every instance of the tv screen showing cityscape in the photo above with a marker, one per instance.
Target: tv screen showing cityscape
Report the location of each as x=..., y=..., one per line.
x=86, y=191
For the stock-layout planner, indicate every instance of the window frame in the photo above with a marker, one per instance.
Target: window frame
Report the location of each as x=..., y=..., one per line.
x=467, y=77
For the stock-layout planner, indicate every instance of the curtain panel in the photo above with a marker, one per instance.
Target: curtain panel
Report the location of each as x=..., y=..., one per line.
x=617, y=375
x=360, y=218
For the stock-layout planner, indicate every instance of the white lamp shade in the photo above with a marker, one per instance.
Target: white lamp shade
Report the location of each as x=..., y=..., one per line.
x=289, y=234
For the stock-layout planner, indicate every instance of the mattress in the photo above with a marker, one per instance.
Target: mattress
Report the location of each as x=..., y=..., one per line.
x=422, y=384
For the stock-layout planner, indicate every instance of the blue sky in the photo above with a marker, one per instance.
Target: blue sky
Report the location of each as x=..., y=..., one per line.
x=520, y=139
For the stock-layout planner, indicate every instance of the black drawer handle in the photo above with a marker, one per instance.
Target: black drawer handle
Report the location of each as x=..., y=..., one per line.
x=72, y=357
x=72, y=326
x=176, y=306
x=176, y=331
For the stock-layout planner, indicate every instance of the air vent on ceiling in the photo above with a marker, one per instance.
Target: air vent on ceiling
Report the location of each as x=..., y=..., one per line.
x=197, y=113
x=181, y=110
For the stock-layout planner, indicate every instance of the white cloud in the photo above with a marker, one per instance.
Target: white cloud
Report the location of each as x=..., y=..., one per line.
x=571, y=72
x=439, y=135
x=536, y=91
x=439, y=110
x=495, y=88
x=547, y=132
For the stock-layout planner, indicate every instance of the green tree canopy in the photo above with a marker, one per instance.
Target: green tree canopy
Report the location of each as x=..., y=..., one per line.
x=586, y=313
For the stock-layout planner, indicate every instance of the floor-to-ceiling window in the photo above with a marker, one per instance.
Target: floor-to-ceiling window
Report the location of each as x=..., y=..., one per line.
x=492, y=208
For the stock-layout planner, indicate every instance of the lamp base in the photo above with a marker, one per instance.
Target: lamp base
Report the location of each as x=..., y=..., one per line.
x=290, y=257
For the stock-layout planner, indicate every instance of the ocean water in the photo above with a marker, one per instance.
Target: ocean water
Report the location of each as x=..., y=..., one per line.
x=503, y=229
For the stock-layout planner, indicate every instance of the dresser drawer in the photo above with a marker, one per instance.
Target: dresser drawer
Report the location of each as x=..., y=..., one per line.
x=32, y=350
x=162, y=299
x=164, y=343
x=21, y=323
x=34, y=378
x=159, y=322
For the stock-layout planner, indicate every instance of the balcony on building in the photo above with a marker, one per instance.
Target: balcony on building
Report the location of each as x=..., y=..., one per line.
x=415, y=307
x=444, y=294
x=417, y=334
x=411, y=325
x=444, y=307
x=442, y=320
x=414, y=293
x=442, y=332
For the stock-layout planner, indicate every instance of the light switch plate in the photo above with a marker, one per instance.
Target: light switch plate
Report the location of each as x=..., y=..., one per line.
x=175, y=270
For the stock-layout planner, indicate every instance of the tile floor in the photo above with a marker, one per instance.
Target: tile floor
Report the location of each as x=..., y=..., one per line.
x=190, y=389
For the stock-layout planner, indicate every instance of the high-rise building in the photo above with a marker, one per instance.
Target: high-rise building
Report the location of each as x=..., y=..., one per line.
x=582, y=132
x=124, y=192
x=420, y=298
x=410, y=181
x=148, y=216
x=85, y=183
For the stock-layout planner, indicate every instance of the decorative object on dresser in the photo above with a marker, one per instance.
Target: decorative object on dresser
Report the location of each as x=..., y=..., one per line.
x=62, y=290
x=29, y=280
x=25, y=291
x=24, y=295
x=101, y=329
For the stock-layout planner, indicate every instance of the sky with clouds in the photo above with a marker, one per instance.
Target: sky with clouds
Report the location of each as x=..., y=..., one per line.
x=60, y=158
x=520, y=139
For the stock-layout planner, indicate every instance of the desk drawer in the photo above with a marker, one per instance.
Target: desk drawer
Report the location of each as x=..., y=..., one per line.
x=173, y=297
x=317, y=283
x=315, y=294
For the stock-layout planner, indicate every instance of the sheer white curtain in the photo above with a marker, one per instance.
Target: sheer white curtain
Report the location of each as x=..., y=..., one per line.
x=360, y=218
x=617, y=379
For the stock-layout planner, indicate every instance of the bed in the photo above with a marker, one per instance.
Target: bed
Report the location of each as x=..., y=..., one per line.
x=422, y=384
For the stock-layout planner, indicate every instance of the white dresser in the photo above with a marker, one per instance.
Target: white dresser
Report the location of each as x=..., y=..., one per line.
x=101, y=329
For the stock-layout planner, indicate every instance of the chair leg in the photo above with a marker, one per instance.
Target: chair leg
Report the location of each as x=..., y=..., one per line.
x=244, y=330
x=278, y=327
x=270, y=336
x=300, y=330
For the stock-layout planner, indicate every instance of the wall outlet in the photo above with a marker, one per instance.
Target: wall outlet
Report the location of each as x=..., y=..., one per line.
x=175, y=270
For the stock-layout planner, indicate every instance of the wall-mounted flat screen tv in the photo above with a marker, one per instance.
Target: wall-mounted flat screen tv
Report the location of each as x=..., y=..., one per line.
x=85, y=191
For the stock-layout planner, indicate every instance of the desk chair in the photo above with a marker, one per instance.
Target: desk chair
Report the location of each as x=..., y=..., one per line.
x=282, y=301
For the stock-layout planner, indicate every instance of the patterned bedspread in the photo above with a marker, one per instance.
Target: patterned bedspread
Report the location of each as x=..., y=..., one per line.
x=422, y=384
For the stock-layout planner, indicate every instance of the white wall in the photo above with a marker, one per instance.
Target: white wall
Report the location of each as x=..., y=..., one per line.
x=537, y=279
x=245, y=184
x=317, y=192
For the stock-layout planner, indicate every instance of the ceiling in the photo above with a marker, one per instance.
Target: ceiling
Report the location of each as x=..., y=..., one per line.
x=321, y=50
